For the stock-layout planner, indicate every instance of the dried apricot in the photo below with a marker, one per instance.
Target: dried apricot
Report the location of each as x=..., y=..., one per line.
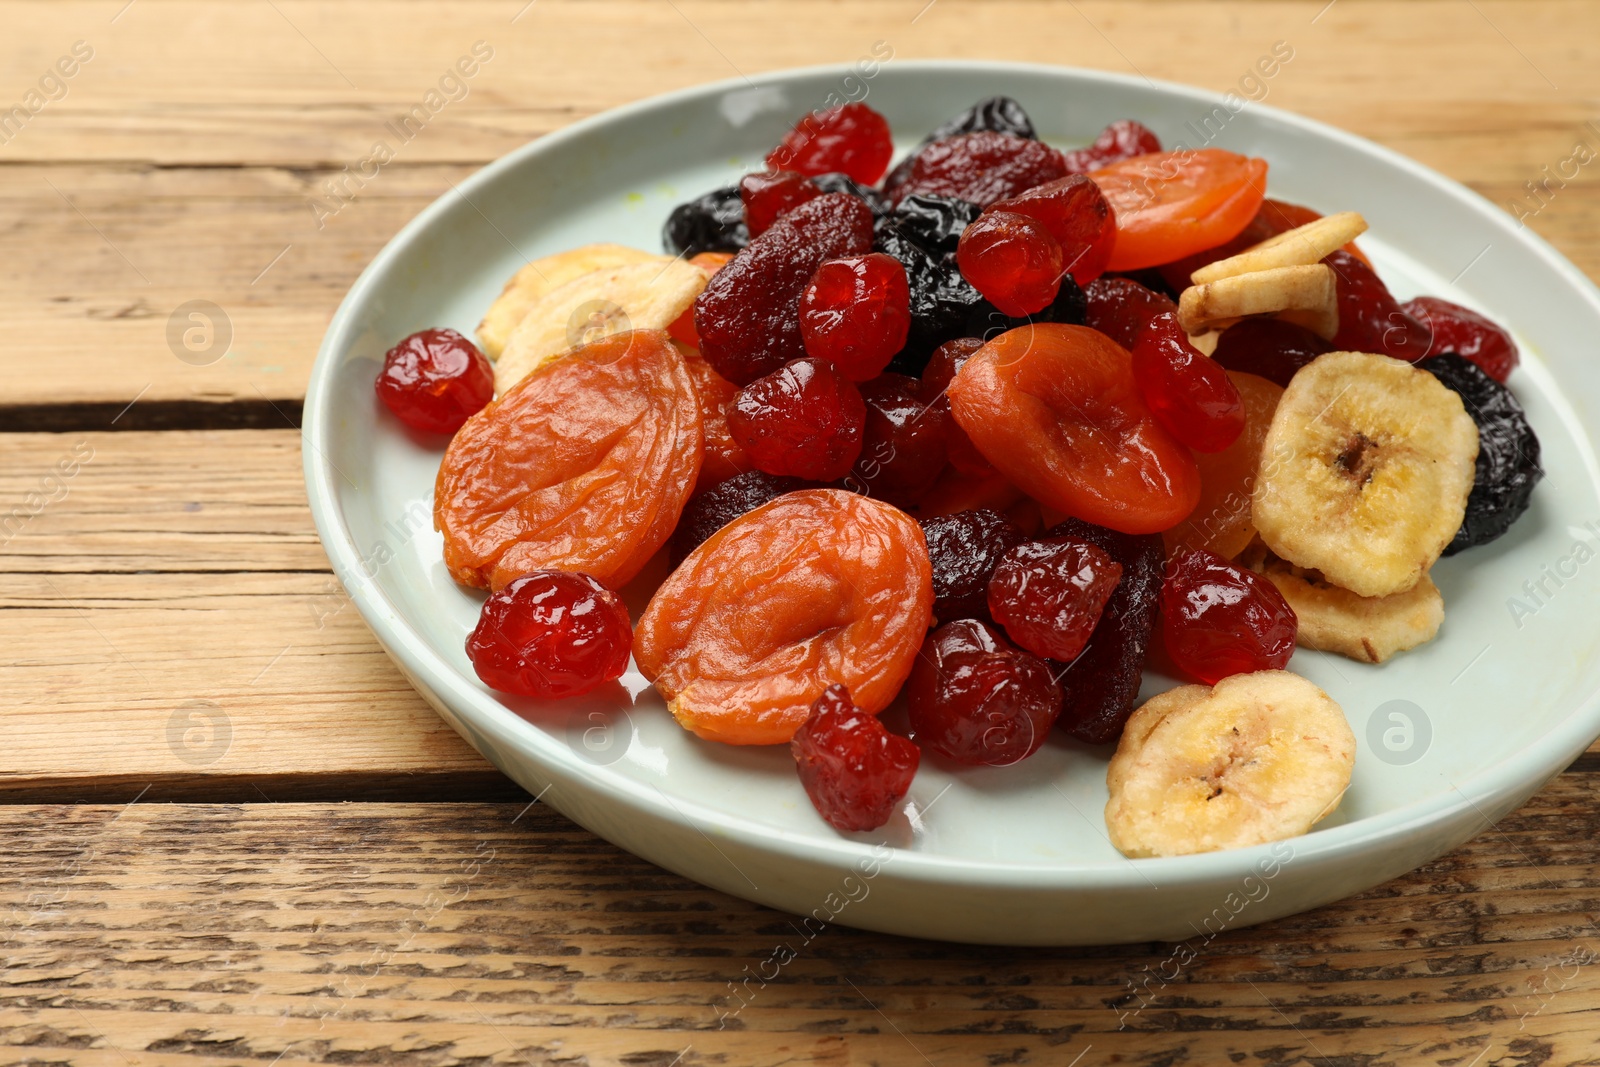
x=584, y=465
x=816, y=587
x=1221, y=522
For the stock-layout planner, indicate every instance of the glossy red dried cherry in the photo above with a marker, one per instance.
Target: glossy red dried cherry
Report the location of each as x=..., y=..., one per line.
x=902, y=443
x=1121, y=307
x=1077, y=215
x=1467, y=334
x=936, y=377
x=1269, y=348
x=768, y=194
x=854, y=770
x=1370, y=318
x=1121, y=140
x=1218, y=619
x=979, y=167
x=855, y=313
x=804, y=419
x=975, y=698
x=1188, y=393
x=1013, y=260
x=1049, y=595
x=551, y=634
x=435, y=380
x=849, y=139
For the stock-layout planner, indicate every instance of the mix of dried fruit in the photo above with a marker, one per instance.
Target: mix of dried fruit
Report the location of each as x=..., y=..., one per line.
x=990, y=428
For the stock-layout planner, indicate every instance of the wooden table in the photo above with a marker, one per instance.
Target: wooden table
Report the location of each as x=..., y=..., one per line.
x=232, y=833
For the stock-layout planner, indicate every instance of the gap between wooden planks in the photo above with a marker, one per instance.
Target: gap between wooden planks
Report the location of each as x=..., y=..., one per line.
x=445, y=934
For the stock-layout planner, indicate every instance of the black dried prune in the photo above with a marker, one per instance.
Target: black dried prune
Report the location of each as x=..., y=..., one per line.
x=713, y=509
x=843, y=183
x=935, y=223
x=964, y=549
x=1000, y=114
x=1508, y=451
x=710, y=223
x=1102, y=684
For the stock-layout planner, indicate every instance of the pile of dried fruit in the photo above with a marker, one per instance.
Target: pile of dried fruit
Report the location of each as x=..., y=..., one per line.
x=987, y=431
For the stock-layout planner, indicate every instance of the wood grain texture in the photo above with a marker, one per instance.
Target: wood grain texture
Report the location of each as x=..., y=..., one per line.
x=449, y=934
x=181, y=166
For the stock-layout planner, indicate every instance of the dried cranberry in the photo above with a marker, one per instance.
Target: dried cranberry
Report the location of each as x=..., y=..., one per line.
x=804, y=419
x=551, y=634
x=1101, y=685
x=1049, y=594
x=1120, y=308
x=1270, y=348
x=1077, y=215
x=964, y=548
x=710, y=223
x=902, y=445
x=1012, y=260
x=936, y=378
x=1189, y=394
x=1121, y=140
x=1218, y=619
x=855, y=771
x=981, y=167
x=1467, y=334
x=710, y=511
x=748, y=317
x=1370, y=318
x=976, y=699
x=852, y=139
x=855, y=313
x=768, y=194
x=435, y=380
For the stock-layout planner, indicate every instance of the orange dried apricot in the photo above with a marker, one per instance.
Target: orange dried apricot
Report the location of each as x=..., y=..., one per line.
x=819, y=586
x=1221, y=522
x=723, y=456
x=584, y=465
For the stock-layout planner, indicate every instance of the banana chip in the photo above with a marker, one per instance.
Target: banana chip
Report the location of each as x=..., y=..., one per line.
x=1303, y=295
x=538, y=277
x=1300, y=246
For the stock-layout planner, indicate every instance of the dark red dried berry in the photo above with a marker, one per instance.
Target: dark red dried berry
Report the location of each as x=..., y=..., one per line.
x=804, y=419
x=852, y=139
x=980, y=167
x=1101, y=685
x=902, y=444
x=1467, y=334
x=854, y=770
x=748, y=317
x=1218, y=619
x=710, y=511
x=1012, y=260
x=1077, y=215
x=1121, y=140
x=435, y=380
x=551, y=634
x=1269, y=348
x=1370, y=318
x=936, y=377
x=1049, y=595
x=1190, y=395
x=974, y=698
x=965, y=548
x=1121, y=307
x=768, y=194
x=855, y=313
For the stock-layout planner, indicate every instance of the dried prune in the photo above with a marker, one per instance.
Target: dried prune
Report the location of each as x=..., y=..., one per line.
x=710, y=223
x=551, y=634
x=981, y=167
x=1218, y=619
x=976, y=699
x=902, y=445
x=803, y=419
x=964, y=548
x=1049, y=594
x=710, y=511
x=584, y=465
x=855, y=771
x=843, y=183
x=748, y=317
x=1101, y=685
x=1269, y=348
x=819, y=586
x=1508, y=451
x=1000, y=114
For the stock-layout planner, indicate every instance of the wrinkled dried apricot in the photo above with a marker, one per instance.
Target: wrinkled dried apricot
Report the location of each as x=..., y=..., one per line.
x=816, y=587
x=584, y=465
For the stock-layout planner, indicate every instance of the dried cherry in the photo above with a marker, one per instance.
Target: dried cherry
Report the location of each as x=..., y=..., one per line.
x=722, y=457
x=855, y=771
x=1467, y=334
x=975, y=698
x=1120, y=308
x=902, y=444
x=768, y=194
x=584, y=465
x=748, y=317
x=1122, y=139
x=1269, y=348
x=855, y=313
x=1013, y=260
x=1077, y=215
x=936, y=378
x=1049, y=594
x=851, y=139
x=1000, y=114
x=818, y=586
x=1188, y=393
x=804, y=419
x=435, y=380
x=1218, y=619
x=710, y=511
x=551, y=634
x=1370, y=318
x=982, y=167
x=964, y=548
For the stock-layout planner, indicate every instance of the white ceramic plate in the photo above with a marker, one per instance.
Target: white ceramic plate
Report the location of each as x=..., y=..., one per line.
x=1451, y=736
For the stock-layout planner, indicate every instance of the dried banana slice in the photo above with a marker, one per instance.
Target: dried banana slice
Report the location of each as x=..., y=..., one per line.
x=1365, y=472
x=1255, y=758
x=638, y=296
x=540, y=276
x=1300, y=246
x=1303, y=295
x=1367, y=629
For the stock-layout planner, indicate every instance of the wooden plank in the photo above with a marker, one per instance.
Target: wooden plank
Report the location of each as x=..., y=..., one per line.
x=447, y=933
x=110, y=218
